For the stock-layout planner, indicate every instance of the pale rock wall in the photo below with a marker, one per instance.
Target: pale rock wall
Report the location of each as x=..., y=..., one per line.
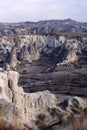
x=5, y=91
x=33, y=110
x=13, y=78
x=29, y=106
x=30, y=39
x=45, y=44
x=13, y=59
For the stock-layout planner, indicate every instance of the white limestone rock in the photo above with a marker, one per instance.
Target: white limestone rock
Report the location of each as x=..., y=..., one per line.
x=13, y=78
x=34, y=110
x=62, y=39
x=5, y=92
x=71, y=58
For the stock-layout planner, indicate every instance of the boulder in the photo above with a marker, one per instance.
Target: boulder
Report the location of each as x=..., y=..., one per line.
x=74, y=105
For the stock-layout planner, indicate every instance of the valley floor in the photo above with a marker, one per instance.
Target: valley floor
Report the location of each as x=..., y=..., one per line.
x=43, y=75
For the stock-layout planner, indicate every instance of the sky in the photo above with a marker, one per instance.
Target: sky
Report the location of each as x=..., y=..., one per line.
x=36, y=10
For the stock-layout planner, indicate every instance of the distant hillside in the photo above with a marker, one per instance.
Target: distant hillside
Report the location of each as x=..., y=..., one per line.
x=51, y=27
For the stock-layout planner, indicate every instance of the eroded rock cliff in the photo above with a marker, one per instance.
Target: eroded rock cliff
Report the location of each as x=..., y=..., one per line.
x=36, y=111
x=60, y=50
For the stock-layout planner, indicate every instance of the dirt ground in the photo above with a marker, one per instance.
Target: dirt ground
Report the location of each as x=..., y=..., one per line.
x=43, y=75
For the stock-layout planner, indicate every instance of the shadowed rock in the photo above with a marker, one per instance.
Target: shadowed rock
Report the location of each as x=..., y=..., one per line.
x=24, y=54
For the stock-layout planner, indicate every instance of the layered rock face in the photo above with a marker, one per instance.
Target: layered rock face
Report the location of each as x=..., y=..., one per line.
x=19, y=108
x=31, y=47
x=36, y=111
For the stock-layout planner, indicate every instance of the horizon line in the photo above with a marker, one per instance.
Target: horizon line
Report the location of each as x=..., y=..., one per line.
x=36, y=21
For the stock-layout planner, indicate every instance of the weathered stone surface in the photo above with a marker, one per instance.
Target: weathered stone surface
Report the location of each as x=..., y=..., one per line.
x=35, y=110
x=13, y=78
x=74, y=105
x=62, y=39
x=10, y=117
x=24, y=54
x=37, y=46
x=13, y=60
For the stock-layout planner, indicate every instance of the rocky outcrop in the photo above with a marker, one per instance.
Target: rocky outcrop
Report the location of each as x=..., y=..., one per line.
x=13, y=58
x=61, y=50
x=72, y=50
x=24, y=55
x=25, y=107
x=34, y=111
x=73, y=105
x=10, y=117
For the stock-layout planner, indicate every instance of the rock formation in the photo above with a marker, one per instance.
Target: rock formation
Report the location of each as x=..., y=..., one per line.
x=61, y=50
x=43, y=27
x=13, y=60
x=34, y=111
x=24, y=55
x=44, y=45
